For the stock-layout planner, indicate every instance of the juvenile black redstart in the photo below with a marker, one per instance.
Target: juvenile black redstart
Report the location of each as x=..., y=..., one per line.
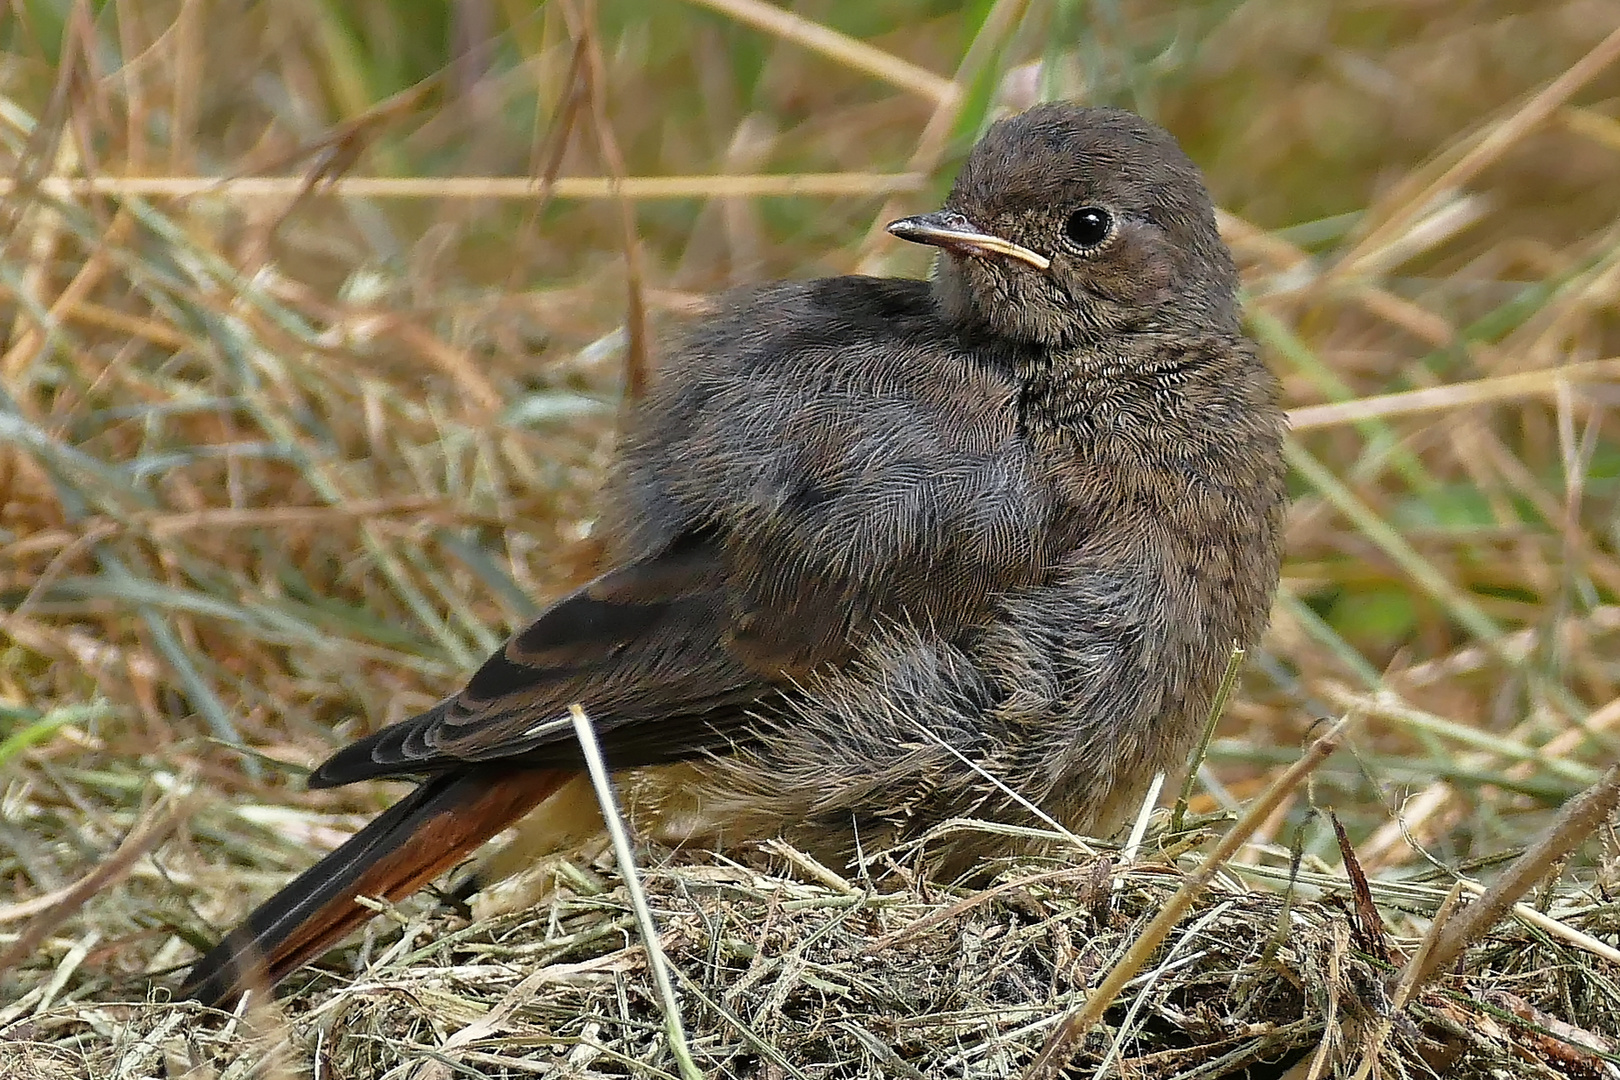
x=867, y=531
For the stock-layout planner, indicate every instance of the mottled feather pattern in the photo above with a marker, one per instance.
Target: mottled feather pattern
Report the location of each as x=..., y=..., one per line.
x=850, y=452
x=1088, y=681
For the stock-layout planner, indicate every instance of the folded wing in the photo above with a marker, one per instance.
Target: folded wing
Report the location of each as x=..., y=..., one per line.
x=645, y=650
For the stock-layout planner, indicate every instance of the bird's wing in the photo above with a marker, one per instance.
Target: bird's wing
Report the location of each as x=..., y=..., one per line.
x=646, y=650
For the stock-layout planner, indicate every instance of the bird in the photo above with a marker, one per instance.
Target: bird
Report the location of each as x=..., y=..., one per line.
x=883, y=553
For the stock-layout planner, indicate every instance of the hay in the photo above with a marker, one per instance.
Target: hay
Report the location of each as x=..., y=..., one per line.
x=780, y=974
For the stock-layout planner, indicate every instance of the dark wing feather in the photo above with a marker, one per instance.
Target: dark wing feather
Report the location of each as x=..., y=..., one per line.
x=644, y=649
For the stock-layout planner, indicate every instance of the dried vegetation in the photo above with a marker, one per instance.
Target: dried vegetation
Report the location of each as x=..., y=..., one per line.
x=280, y=460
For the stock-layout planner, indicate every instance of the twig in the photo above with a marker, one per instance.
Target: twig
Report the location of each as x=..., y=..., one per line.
x=936, y=134
x=1071, y=1033
x=724, y=185
x=603, y=784
x=1496, y=142
x=582, y=23
x=1425, y=949
x=547, y=159
x=147, y=834
x=1579, y=819
x=1454, y=396
x=1406, y=985
x=846, y=50
x=1217, y=705
x=1133, y=841
x=1006, y=789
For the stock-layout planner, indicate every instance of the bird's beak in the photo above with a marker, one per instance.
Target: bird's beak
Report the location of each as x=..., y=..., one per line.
x=949, y=230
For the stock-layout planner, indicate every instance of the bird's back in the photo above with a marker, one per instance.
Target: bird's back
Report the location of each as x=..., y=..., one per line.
x=854, y=458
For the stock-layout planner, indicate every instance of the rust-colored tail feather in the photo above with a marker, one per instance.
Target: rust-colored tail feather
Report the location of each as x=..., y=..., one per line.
x=404, y=848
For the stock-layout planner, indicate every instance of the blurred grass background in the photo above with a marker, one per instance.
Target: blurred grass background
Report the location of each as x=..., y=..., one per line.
x=280, y=464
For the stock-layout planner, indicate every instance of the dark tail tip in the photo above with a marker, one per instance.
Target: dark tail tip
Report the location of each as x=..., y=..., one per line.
x=227, y=970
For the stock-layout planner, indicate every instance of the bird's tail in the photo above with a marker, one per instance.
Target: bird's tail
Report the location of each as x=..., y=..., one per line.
x=404, y=848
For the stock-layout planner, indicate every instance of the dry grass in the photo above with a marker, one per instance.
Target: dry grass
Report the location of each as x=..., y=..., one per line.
x=281, y=461
x=783, y=977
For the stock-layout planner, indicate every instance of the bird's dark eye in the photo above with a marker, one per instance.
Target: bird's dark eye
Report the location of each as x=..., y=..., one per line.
x=1088, y=226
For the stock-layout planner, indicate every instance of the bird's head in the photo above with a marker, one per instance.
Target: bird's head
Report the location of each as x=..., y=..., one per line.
x=1070, y=222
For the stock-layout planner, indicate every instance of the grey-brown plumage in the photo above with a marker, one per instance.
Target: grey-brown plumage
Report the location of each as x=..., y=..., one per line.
x=1022, y=511
x=1029, y=510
